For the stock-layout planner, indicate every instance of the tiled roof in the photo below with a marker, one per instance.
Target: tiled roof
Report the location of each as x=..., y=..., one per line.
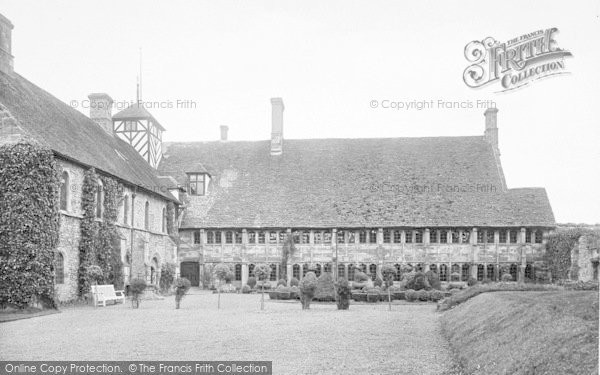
x=420, y=182
x=136, y=111
x=72, y=135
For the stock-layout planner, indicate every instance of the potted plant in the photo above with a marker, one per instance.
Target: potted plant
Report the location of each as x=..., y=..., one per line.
x=136, y=288
x=308, y=287
x=342, y=294
x=181, y=286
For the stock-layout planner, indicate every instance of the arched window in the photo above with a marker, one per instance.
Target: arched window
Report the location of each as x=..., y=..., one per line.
x=318, y=270
x=64, y=191
x=296, y=271
x=327, y=267
x=491, y=275
x=341, y=270
x=351, y=272
x=373, y=271
x=125, y=209
x=304, y=269
x=419, y=267
x=238, y=272
x=397, y=276
x=59, y=268
x=455, y=268
x=164, y=220
x=466, y=268
x=273, y=276
x=514, y=271
x=251, y=270
x=147, y=216
x=363, y=267
x=480, y=272
x=529, y=272
x=99, y=200
x=443, y=272
x=433, y=268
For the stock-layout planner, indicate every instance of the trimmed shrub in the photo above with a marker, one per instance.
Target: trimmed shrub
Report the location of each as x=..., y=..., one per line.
x=456, y=285
x=422, y=295
x=325, y=288
x=252, y=282
x=281, y=282
x=229, y=277
x=472, y=281
x=378, y=281
x=507, y=277
x=373, y=294
x=246, y=289
x=343, y=294
x=294, y=282
x=94, y=274
x=418, y=282
x=308, y=288
x=410, y=295
x=136, y=289
x=294, y=292
x=182, y=285
x=436, y=295
x=388, y=272
x=167, y=277
x=434, y=280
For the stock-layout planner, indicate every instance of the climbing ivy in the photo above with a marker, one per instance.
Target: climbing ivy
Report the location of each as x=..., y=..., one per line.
x=89, y=230
x=558, y=250
x=29, y=223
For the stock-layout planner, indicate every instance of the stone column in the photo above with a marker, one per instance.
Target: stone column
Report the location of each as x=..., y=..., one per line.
x=290, y=272
x=473, y=236
x=426, y=235
x=244, y=274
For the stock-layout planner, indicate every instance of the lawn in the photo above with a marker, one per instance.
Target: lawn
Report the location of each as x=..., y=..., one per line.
x=366, y=339
x=525, y=333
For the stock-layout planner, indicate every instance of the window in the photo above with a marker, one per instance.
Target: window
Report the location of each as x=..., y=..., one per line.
x=466, y=236
x=305, y=237
x=272, y=237
x=513, y=236
x=296, y=237
x=252, y=237
x=373, y=236
x=433, y=268
x=350, y=272
x=387, y=236
x=238, y=272
x=418, y=236
x=210, y=237
x=489, y=234
x=318, y=270
x=130, y=126
x=125, y=209
x=443, y=236
x=327, y=267
x=502, y=236
x=466, y=272
x=251, y=270
x=218, y=236
x=480, y=236
x=362, y=236
x=340, y=236
x=397, y=276
x=351, y=236
x=196, y=183
x=164, y=220
x=455, y=236
x=514, y=271
x=59, y=268
x=443, y=272
x=529, y=271
x=296, y=271
x=480, y=272
x=282, y=236
x=197, y=236
x=397, y=236
x=409, y=236
x=327, y=237
x=238, y=237
x=419, y=267
x=528, y=236
x=362, y=267
x=304, y=269
x=318, y=237
x=433, y=238
x=341, y=270
x=99, y=200
x=261, y=237
x=273, y=275
x=491, y=274
x=373, y=271
x=538, y=236
x=229, y=237
x=147, y=216
x=64, y=191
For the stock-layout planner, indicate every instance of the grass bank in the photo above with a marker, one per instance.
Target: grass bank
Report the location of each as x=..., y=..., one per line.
x=525, y=333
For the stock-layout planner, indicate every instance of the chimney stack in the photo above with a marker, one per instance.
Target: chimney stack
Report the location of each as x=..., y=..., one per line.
x=277, y=126
x=491, y=126
x=224, y=130
x=6, y=57
x=101, y=111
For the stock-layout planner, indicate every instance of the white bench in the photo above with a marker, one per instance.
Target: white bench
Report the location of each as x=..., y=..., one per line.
x=103, y=293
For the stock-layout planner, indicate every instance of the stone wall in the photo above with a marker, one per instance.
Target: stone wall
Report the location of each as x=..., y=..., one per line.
x=584, y=259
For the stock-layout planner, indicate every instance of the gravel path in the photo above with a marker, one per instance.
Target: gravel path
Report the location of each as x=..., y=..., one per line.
x=366, y=339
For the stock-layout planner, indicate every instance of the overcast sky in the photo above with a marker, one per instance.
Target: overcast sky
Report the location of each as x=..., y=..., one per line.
x=328, y=61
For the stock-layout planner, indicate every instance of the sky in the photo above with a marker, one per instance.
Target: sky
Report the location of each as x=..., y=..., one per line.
x=338, y=65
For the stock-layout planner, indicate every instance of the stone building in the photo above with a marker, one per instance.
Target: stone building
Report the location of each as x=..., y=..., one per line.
x=436, y=203
x=80, y=143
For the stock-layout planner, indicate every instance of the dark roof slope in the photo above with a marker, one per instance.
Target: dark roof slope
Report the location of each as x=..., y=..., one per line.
x=441, y=181
x=74, y=136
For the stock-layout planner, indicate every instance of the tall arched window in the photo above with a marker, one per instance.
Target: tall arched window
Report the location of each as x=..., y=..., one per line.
x=59, y=268
x=238, y=272
x=125, y=209
x=397, y=276
x=341, y=270
x=305, y=269
x=480, y=272
x=99, y=199
x=273, y=276
x=443, y=272
x=64, y=191
x=351, y=272
x=147, y=216
x=373, y=271
x=164, y=220
x=466, y=268
x=514, y=271
x=251, y=270
x=490, y=272
x=318, y=270
x=296, y=271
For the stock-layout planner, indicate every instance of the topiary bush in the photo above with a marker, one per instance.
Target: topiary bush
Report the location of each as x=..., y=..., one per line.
x=181, y=285
x=455, y=276
x=281, y=282
x=308, y=288
x=422, y=295
x=378, y=281
x=343, y=294
x=388, y=272
x=251, y=282
x=418, y=282
x=434, y=280
x=246, y=289
x=294, y=282
x=507, y=277
x=136, y=289
x=472, y=281
x=229, y=277
x=167, y=277
x=410, y=295
x=436, y=295
x=325, y=288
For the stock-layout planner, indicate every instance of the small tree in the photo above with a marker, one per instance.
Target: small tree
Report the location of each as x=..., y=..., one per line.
x=136, y=288
x=182, y=285
x=251, y=282
x=343, y=294
x=221, y=271
x=388, y=272
x=262, y=272
x=308, y=287
x=167, y=277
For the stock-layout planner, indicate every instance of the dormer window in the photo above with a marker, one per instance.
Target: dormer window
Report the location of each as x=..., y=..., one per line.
x=197, y=183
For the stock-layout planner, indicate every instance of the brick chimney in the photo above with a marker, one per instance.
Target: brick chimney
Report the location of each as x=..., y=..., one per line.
x=224, y=130
x=6, y=57
x=101, y=111
x=277, y=126
x=491, y=126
